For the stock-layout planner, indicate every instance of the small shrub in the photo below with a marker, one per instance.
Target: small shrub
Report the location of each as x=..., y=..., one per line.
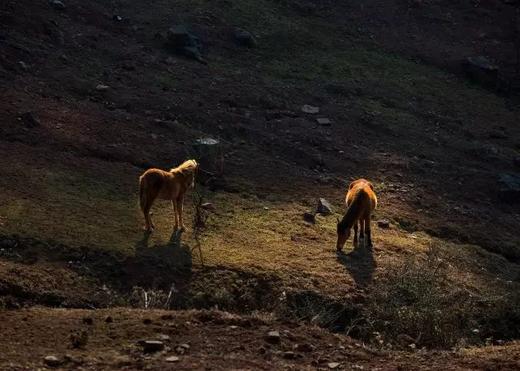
x=416, y=302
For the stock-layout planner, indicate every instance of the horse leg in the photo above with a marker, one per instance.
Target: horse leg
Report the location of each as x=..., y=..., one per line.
x=148, y=224
x=180, y=206
x=362, y=232
x=176, y=219
x=355, y=234
x=368, y=232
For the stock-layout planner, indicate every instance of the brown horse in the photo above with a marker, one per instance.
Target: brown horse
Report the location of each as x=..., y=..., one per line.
x=167, y=185
x=361, y=202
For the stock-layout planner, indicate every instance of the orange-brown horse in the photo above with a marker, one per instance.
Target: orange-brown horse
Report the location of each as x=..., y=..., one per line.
x=361, y=202
x=167, y=185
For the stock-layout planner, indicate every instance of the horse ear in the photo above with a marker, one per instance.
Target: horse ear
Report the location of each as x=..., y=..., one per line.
x=337, y=219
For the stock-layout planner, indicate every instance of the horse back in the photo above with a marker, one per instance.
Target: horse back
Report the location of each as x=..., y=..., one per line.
x=363, y=191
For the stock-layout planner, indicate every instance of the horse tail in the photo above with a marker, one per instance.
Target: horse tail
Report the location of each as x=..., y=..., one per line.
x=142, y=192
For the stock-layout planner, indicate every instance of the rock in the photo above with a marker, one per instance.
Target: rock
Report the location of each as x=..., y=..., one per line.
x=323, y=121
x=184, y=42
x=147, y=321
x=87, y=321
x=244, y=38
x=182, y=348
x=509, y=187
x=209, y=153
x=289, y=355
x=52, y=361
x=481, y=70
x=57, y=4
x=79, y=339
x=109, y=319
x=163, y=337
x=333, y=365
x=151, y=346
x=305, y=348
x=102, y=87
x=172, y=359
x=30, y=119
x=23, y=66
x=383, y=223
x=310, y=109
x=117, y=18
x=324, y=207
x=208, y=206
x=309, y=217
x=273, y=337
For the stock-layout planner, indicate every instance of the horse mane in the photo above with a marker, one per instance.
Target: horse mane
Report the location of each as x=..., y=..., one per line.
x=188, y=166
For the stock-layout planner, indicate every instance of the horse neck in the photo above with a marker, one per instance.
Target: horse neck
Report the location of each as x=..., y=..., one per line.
x=353, y=212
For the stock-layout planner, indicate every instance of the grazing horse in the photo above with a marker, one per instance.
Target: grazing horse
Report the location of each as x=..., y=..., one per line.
x=361, y=202
x=167, y=185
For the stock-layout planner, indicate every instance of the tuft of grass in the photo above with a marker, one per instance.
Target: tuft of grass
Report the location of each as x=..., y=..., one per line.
x=419, y=303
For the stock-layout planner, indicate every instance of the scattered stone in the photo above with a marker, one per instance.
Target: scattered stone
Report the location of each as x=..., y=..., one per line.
x=509, y=187
x=208, y=206
x=151, y=346
x=324, y=207
x=88, y=320
x=383, y=223
x=154, y=136
x=323, y=121
x=182, y=348
x=147, y=321
x=172, y=359
x=52, y=361
x=481, y=70
x=310, y=109
x=57, y=4
x=273, y=337
x=117, y=18
x=23, y=66
x=309, y=217
x=184, y=42
x=333, y=365
x=289, y=355
x=244, y=38
x=163, y=337
x=102, y=87
x=305, y=348
x=79, y=339
x=30, y=119
x=109, y=319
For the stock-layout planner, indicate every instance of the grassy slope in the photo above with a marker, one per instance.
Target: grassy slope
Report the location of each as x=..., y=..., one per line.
x=91, y=202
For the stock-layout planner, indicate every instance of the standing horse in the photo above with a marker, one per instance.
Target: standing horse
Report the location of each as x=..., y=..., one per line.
x=167, y=185
x=361, y=202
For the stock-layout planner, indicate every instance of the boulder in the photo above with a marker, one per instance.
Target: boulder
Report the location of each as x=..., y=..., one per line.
x=509, y=188
x=324, y=207
x=152, y=346
x=52, y=361
x=309, y=217
x=30, y=119
x=182, y=41
x=481, y=70
x=57, y=4
x=273, y=337
x=244, y=38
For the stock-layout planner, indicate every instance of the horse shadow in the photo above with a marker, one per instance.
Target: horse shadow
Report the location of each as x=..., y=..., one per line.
x=160, y=265
x=360, y=263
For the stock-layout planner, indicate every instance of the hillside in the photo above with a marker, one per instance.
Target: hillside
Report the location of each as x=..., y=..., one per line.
x=91, y=96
